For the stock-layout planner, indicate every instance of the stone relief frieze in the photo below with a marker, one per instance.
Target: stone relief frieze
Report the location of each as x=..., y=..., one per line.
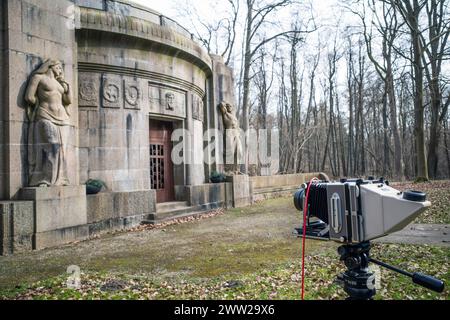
x=88, y=92
x=169, y=103
x=167, y=100
x=132, y=94
x=111, y=92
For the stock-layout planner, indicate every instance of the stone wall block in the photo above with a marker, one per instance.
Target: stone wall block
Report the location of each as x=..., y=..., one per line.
x=240, y=190
x=57, y=207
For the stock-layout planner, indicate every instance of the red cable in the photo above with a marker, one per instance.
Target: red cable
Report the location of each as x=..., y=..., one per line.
x=305, y=209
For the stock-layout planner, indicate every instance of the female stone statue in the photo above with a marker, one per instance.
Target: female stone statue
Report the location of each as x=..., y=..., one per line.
x=48, y=96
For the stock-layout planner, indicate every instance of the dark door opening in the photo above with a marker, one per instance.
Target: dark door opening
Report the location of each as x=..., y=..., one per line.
x=161, y=167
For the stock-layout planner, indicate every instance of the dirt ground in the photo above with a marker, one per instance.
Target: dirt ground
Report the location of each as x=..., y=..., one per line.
x=238, y=241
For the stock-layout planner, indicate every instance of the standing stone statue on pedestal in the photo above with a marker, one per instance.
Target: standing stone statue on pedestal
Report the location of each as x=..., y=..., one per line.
x=48, y=96
x=233, y=144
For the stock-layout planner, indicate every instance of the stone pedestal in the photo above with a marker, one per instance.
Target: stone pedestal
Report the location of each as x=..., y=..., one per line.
x=59, y=214
x=241, y=192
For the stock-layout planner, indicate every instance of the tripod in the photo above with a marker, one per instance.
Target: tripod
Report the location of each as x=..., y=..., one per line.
x=359, y=282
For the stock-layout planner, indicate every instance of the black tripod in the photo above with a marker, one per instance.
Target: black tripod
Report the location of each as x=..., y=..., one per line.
x=359, y=282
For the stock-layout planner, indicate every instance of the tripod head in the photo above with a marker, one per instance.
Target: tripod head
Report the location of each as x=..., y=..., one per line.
x=359, y=282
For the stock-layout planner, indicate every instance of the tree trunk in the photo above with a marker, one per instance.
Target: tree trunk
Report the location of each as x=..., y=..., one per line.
x=419, y=130
x=398, y=153
x=386, y=162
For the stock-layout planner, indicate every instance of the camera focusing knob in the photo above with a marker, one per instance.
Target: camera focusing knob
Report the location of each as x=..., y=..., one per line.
x=414, y=195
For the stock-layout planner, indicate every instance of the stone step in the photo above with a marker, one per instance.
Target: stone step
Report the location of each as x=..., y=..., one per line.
x=177, y=211
x=165, y=207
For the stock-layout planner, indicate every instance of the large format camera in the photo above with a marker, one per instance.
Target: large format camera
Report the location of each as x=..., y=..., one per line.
x=356, y=210
x=353, y=212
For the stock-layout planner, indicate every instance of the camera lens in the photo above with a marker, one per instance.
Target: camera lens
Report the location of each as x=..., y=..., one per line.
x=298, y=199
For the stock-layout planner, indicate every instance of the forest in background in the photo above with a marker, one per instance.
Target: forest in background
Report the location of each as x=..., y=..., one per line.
x=365, y=92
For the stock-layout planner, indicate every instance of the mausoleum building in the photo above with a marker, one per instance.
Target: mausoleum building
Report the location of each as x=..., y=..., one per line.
x=108, y=91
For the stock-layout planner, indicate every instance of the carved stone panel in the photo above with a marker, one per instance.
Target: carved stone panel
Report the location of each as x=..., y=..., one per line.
x=167, y=100
x=88, y=92
x=132, y=94
x=197, y=108
x=111, y=91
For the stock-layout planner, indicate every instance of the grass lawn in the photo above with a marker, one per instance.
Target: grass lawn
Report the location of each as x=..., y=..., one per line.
x=280, y=282
x=247, y=253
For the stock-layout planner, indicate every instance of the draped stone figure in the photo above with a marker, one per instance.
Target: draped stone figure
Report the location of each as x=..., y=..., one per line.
x=233, y=144
x=48, y=96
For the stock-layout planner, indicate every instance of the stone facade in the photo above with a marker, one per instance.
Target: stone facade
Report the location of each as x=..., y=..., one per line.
x=126, y=65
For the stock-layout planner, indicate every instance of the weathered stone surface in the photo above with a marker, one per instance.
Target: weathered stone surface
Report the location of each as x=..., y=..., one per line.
x=266, y=187
x=23, y=218
x=133, y=203
x=16, y=226
x=6, y=230
x=223, y=88
x=112, y=205
x=133, y=93
x=44, y=21
x=172, y=82
x=88, y=90
x=240, y=190
x=181, y=193
x=95, y=4
x=233, y=145
x=113, y=224
x=167, y=101
x=57, y=207
x=60, y=236
x=285, y=180
x=112, y=93
x=197, y=171
x=209, y=193
x=100, y=207
x=22, y=243
x=19, y=215
x=197, y=107
x=35, y=30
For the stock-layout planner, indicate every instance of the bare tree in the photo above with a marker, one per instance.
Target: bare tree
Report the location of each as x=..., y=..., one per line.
x=410, y=10
x=386, y=23
x=256, y=18
x=436, y=50
x=217, y=35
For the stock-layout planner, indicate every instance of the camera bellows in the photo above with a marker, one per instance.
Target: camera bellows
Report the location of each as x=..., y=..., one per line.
x=317, y=201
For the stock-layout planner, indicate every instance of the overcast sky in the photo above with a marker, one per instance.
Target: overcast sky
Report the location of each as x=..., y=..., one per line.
x=324, y=8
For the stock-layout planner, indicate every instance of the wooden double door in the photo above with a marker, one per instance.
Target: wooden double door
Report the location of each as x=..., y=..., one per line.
x=161, y=166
